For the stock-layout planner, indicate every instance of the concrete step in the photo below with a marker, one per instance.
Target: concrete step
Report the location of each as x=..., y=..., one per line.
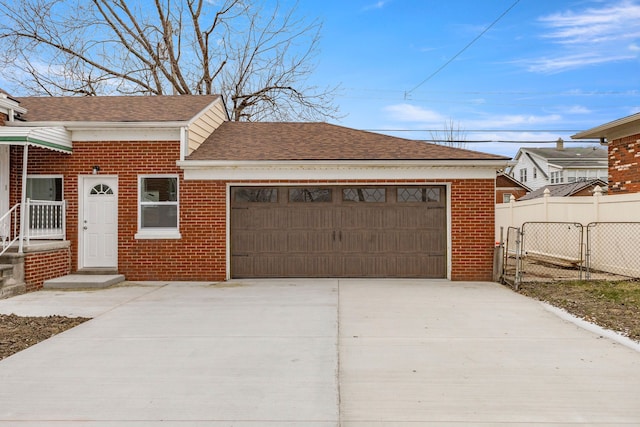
x=9, y=286
x=84, y=281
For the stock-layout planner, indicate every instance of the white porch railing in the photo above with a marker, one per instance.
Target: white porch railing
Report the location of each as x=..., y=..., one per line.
x=9, y=228
x=46, y=220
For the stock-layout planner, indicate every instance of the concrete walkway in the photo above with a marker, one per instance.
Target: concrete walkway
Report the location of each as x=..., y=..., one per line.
x=315, y=353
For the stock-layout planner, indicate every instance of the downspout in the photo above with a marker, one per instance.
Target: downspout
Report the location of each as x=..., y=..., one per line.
x=184, y=142
x=23, y=197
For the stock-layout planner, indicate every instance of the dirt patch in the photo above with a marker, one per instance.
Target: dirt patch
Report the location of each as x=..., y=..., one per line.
x=611, y=305
x=18, y=333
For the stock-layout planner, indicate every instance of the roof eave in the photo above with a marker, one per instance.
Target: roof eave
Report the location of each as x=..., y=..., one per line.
x=613, y=130
x=468, y=163
x=72, y=125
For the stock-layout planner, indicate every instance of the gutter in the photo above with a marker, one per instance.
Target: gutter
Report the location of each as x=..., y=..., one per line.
x=471, y=163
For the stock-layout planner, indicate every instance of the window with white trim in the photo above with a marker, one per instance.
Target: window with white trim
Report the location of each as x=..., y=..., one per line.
x=523, y=175
x=557, y=177
x=158, y=206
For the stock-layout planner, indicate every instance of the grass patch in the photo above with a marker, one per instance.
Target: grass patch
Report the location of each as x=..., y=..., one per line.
x=612, y=305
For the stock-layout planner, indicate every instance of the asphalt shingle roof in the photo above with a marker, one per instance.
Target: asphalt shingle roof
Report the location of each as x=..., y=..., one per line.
x=114, y=108
x=319, y=141
x=563, y=190
x=569, y=153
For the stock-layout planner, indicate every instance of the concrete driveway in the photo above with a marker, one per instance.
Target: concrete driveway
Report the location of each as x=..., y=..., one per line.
x=314, y=353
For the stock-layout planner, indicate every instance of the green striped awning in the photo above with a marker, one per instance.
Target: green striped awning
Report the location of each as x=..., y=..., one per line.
x=53, y=138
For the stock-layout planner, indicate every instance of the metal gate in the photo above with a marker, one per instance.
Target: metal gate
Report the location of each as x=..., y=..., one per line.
x=557, y=251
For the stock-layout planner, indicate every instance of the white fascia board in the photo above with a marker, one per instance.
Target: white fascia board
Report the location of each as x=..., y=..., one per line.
x=116, y=131
x=9, y=106
x=338, y=170
x=126, y=134
x=103, y=125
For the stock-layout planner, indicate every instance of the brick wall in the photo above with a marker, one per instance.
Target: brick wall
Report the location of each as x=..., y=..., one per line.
x=41, y=266
x=200, y=254
x=472, y=229
x=624, y=165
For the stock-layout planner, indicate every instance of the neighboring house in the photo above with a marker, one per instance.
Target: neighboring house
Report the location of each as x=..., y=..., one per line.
x=622, y=137
x=166, y=188
x=507, y=186
x=573, y=189
x=538, y=167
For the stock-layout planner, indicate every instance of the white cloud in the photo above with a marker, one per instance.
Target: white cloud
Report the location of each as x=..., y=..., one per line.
x=577, y=109
x=424, y=118
x=569, y=62
x=511, y=121
x=609, y=23
x=408, y=113
x=593, y=36
x=377, y=5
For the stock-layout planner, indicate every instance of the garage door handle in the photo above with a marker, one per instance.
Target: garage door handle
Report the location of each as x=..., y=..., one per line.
x=340, y=235
x=334, y=235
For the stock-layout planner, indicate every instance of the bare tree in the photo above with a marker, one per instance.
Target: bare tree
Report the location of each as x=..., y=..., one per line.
x=452, y=135
x=260, y=59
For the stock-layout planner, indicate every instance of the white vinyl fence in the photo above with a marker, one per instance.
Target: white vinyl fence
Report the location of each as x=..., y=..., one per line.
x=611, y=238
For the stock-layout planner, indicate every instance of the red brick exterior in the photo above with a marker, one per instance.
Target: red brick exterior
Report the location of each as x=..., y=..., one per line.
x=41, y=266
x=472, y=229
x=506, y=186
x=200, y=253
x=624, y=165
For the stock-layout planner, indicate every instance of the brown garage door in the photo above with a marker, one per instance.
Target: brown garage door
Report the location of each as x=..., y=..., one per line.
x=338, y=232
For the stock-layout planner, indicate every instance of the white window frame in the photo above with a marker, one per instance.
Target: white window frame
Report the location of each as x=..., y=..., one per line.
x=557, y=177
x=156, y=232
x=523, y=175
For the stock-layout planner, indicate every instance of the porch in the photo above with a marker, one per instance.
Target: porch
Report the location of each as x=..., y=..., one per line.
x=45, y=221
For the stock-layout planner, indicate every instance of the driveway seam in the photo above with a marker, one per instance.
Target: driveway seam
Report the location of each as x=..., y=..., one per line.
x=339, y=396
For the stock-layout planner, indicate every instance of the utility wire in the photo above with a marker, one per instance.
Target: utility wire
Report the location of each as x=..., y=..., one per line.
x=406, y=94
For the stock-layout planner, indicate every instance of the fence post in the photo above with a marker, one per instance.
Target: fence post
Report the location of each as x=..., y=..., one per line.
x=546, y=193
x=518, y=275
x=512, y=204
x=597, y=192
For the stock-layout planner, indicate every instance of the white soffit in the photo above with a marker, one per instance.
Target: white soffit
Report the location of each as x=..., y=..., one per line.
x=338, y=170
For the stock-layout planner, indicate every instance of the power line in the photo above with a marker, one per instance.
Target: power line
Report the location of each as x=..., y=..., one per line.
x=463, y=49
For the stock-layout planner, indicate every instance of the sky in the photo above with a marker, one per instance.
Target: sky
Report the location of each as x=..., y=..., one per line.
x=494, y=70
x=512, y=72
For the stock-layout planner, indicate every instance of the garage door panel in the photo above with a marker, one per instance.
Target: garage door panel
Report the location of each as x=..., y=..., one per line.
x=368, y=266
x=308, y=241
x=342, y=236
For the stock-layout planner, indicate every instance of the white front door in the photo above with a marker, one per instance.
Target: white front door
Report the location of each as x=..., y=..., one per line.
x=4, y=179
x=99, y=221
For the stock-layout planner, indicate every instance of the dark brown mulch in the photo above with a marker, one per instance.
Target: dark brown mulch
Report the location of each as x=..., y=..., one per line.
x=18, y=333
